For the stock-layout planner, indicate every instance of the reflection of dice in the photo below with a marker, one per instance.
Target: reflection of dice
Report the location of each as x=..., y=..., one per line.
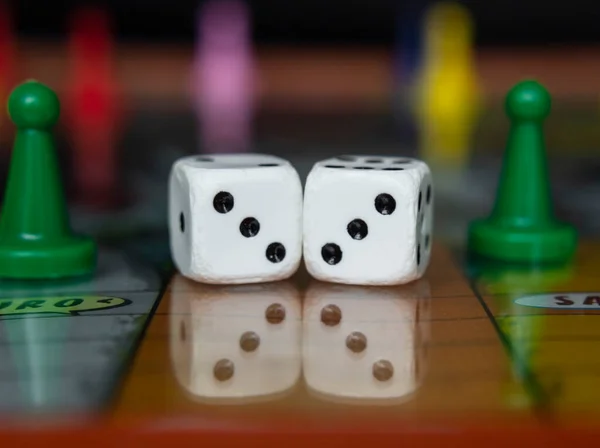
x=235, y=218
x=368, y=220
x=235, y=342
x=364, y=343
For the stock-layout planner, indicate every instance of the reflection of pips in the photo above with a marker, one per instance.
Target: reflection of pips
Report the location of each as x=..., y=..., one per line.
x=331, y=315
x=224, y=369
x=383, y=370
x=249, y=341
x=275, y=313
x=356, y=342
x=182, y=332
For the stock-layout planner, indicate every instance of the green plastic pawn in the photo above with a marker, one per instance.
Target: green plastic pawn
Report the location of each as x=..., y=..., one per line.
x=522, y=226
x=36, y=241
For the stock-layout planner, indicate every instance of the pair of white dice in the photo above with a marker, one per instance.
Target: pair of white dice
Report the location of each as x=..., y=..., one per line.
x=241, y=218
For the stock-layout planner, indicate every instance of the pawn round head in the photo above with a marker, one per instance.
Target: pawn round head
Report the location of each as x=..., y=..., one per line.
x=33, y=105
x=528, y=100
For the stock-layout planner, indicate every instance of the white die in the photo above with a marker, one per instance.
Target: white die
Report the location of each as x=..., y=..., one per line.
x=368, y=220
x=235, y=218
x=365, y=343
x=235, y=343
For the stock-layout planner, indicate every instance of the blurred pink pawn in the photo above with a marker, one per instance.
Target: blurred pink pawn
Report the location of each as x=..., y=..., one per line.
x=223, y=77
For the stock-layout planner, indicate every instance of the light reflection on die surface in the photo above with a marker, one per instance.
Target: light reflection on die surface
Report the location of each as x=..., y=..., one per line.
x=235, y=344
x=365, y=345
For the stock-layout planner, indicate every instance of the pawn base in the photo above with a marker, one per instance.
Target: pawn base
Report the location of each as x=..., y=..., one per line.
x=551, y=244
x=71, y=257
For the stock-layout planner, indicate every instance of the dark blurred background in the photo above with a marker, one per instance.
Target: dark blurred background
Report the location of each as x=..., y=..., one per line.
x=499, y=22
x=326, y=77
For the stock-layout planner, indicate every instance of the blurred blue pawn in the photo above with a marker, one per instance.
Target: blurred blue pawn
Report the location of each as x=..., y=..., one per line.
x=407, y=60
x=408, y=42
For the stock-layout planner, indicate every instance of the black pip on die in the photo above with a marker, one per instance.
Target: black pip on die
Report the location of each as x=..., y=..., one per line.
x=235, y=218
x=368, y=220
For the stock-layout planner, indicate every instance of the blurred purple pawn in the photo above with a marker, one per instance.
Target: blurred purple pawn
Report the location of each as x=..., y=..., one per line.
x=223, y=84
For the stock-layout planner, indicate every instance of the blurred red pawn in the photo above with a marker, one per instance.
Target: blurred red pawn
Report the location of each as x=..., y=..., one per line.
x=7, y=69
x=94, y=110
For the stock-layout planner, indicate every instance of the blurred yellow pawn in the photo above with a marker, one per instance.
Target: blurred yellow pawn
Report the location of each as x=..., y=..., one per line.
x=447, y=94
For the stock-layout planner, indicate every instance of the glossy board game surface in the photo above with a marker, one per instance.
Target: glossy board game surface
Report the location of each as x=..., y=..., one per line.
x=471, y=353
x=506, y=351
